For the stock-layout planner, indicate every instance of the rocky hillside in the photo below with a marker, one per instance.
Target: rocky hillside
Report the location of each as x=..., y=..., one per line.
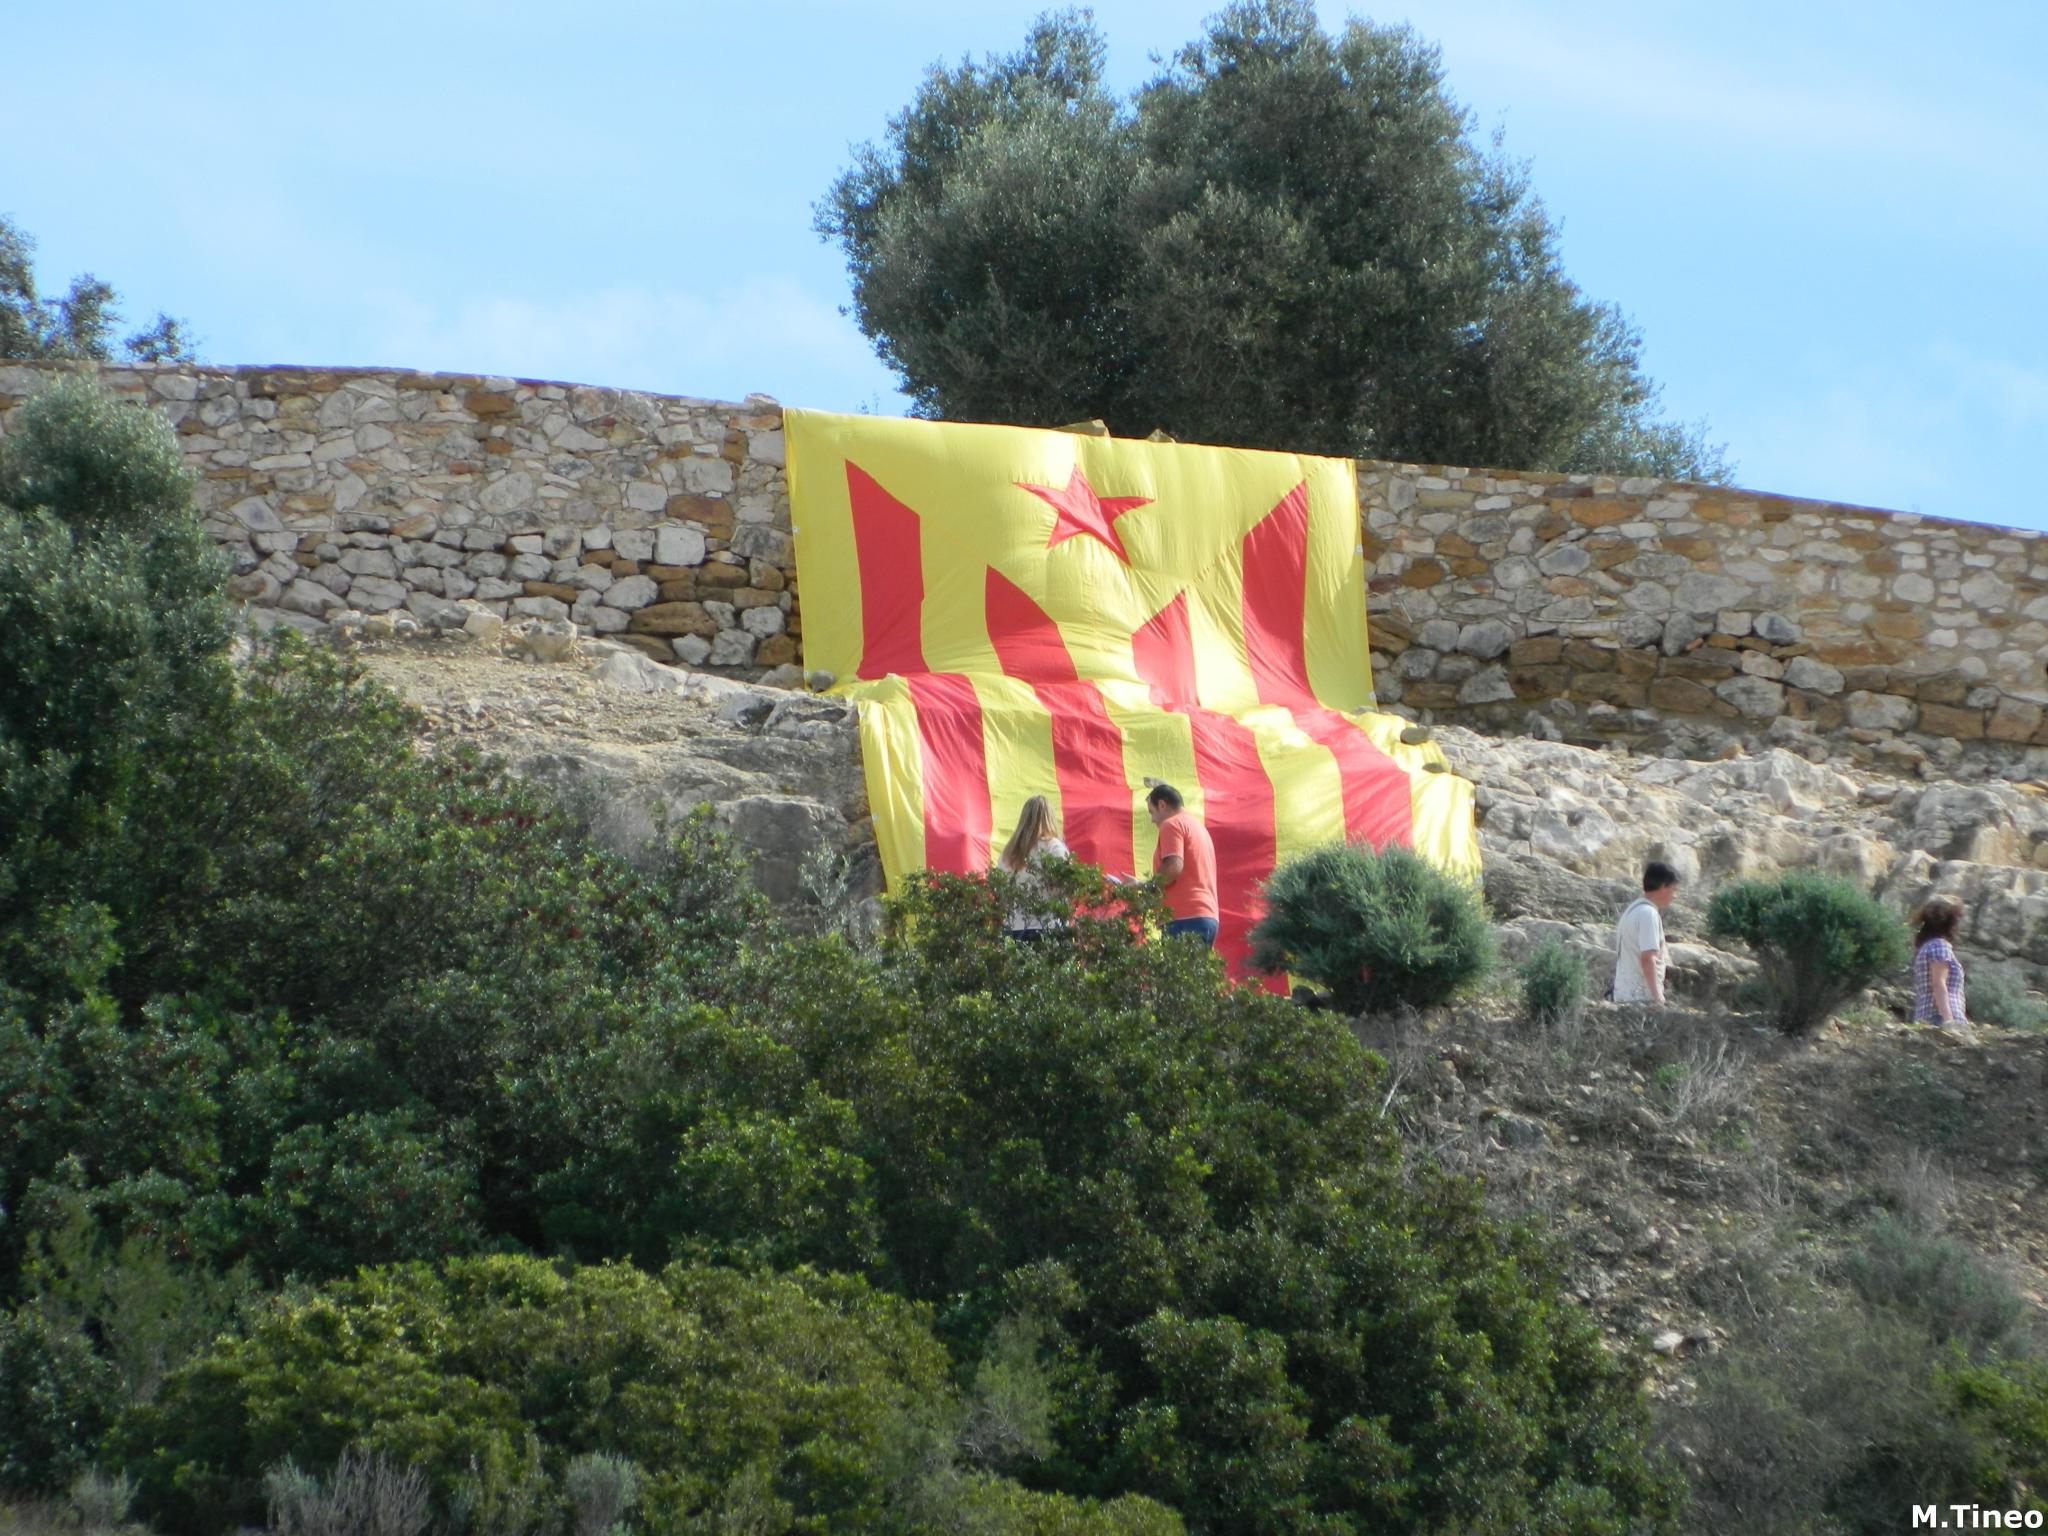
x=1565, y=830
x=1681, y=1158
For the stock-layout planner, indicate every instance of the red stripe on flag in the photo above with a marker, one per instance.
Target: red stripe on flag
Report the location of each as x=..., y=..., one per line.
x=951, y=748
x=1237, y=792
x=1377, y=807
x=885, y=541
x=957, y=816
x=1087, y=747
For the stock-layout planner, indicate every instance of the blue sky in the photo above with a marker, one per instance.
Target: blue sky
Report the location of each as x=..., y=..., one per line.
x=1829, y=220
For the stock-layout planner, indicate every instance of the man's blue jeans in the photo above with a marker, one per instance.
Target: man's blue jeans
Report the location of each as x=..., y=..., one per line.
x=1203, y=928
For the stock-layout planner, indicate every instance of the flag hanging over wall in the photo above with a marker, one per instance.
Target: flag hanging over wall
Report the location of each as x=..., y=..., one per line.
x=1020, y=612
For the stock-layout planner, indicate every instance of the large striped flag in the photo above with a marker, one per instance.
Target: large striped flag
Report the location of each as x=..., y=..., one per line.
x=1021, y=612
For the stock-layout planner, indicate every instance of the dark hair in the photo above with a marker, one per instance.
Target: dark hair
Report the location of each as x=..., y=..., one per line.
x=1166, y=795
x=1937, y=917
x=1657, y=874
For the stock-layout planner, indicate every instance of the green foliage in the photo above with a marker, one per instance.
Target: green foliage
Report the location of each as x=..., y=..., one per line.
x=112, y=629
x=94, y=462
x=81, y=324
x=101, y=1502
x=1939, y=1283
x=1247, y=1313
x=1837, y=1421
x=1554, y=984
x=1379, y=930
x=1287, y=239
x=1818, y=939
x=1999, y=1000
x=811, y=1399
x=57, y=1397
x=601, y=1489
x=1921, y=1106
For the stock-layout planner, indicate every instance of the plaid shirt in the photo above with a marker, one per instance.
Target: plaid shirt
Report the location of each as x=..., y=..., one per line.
x=1924, y=1011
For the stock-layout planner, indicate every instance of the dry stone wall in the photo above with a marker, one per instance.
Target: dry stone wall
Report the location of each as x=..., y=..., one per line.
x=1669, y=614
x=662, y=522
x=1662, y=615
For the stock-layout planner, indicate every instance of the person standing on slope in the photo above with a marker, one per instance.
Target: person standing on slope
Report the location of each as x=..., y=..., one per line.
x=1939, y=997
x=1641, y=954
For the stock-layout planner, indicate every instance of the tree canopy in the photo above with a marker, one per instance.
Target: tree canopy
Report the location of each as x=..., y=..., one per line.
x=1288, y=239
x=81, y=325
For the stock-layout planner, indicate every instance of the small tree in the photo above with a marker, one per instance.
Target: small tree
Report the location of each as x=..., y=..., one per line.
x=1379, y=930
x=1819, y=940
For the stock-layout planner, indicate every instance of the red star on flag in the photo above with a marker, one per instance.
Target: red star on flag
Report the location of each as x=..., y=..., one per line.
x=1082, y=511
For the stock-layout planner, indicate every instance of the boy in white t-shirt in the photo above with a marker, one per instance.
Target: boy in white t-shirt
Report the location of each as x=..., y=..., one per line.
x=1640, y=953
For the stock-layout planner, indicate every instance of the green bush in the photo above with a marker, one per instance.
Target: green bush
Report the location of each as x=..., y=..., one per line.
x=112, y=634
x=1378, y=930
x=812, y=1402
x=1248, y=1313
x=57, y=1397
x=1818, y=940
x=1999, y=1000
x=1838, y=1420
x=1939, y=1283
x=1554, y=984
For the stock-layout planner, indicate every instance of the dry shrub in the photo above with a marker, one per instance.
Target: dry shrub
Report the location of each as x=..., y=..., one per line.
x=363, y=1496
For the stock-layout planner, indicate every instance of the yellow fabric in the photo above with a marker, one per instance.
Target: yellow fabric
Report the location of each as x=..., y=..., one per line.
x=957, y=501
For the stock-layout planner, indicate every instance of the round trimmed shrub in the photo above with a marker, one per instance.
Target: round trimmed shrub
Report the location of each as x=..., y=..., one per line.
x=1818, y=939
x=1377, y=930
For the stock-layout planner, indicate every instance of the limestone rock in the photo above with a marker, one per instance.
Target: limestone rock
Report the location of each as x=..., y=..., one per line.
x=732, y=648
x=553, y=640
x=631, y=592
x=637, y=674
x=1756, y=697
x=679, y=546
x=309, y=598
x=1814, y=676
x=1488, y=686
x=1882, y=711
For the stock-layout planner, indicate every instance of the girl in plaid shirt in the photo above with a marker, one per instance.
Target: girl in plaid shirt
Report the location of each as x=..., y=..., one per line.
x=1938, y=996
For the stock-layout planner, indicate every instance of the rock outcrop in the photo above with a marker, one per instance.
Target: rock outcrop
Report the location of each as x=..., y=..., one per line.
x=1564, y=830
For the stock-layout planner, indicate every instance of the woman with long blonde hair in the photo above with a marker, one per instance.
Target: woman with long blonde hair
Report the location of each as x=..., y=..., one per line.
x=1036, y=840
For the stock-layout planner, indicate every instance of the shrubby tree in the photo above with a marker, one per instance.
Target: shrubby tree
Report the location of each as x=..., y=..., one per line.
x=1249, y=1314
x=1916, y=1384
x=1818, y=939
x=1379, y=930
x=113, y=626
x=731, y=1400
x=1288, y=239
x=81, y=325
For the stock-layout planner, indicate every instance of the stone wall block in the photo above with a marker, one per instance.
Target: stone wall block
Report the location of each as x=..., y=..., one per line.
x=732, y=648
x=679, y=546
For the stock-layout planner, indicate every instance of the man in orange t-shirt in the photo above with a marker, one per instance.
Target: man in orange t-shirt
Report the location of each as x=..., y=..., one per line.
x=1184, y=864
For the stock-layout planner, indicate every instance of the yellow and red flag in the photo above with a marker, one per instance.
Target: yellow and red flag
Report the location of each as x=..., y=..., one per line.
x=1021, y=612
